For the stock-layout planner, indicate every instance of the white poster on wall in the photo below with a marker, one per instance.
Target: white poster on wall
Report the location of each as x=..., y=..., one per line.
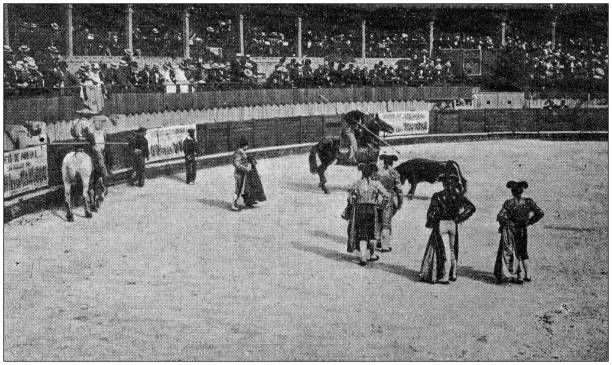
x=25, y=170
x=408, y=122
x=166, y=143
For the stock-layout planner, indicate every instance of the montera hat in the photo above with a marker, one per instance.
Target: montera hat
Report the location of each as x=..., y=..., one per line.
x=514, y=184
x=243, y=142
x=387, y=154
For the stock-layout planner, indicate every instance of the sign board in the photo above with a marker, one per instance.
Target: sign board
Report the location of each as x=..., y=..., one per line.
x=408, y=122
x=25, y=170
x=166, y=143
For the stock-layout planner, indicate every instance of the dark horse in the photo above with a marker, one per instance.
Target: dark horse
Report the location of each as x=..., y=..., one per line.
x=329, y=148
x=420, y=169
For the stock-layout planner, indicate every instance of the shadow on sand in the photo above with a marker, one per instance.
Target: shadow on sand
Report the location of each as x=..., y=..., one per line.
x=470, y=272
x=573, y=229
x=347, y=257
x=327, y=253
x=175, y=177
x=314, y=187
x=57, y=214
x=221, y=204
x=329, y=236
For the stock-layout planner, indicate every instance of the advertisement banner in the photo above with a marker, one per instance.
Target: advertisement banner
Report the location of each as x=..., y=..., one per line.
x=408, y=122
x=166, y=143
x=25, y=170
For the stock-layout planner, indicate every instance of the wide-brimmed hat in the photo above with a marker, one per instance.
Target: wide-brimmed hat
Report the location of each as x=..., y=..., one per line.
x=122, y=63
x=141, y=130
x=24, y=48
x=517, y=184
x=85, y=111
x=54, y=26
x=388, y=154
x=128, y=52
x=52, y=49
x=248, y=73
x=243, y=142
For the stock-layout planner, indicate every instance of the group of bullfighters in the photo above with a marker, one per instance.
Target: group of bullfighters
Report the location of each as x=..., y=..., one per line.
x=376, y=197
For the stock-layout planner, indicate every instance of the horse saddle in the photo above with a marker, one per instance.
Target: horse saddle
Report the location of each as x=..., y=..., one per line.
x=362, y=155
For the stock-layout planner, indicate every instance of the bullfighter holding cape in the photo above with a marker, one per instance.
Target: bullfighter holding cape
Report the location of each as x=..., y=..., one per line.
x=253, y=190
x=516, y=214
x=447, y=209
x=248, y=183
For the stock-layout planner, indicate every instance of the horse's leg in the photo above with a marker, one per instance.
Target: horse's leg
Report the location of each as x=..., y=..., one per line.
x=68, y=199
x=92, y=197
x=321, y=170
x=100, y=191
x=86, y=196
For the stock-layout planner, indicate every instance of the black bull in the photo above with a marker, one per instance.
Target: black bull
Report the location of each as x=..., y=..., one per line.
x=420, y=169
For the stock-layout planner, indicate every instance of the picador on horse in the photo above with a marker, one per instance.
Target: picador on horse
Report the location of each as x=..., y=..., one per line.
x=87, y=163
x=358, y=142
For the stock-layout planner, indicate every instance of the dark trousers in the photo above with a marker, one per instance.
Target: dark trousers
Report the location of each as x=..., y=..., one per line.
x=190, y=169
x=138, y=171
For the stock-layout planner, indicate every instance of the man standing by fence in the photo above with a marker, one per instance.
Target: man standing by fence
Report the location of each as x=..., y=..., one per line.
x=242, y=166
x=190, y=147
x=139, y=150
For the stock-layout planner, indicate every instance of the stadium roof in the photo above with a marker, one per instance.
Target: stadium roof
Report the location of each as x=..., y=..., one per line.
x=375, y=6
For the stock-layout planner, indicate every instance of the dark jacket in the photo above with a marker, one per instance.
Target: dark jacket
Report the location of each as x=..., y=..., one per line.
x=190, y=147
x=448, y=206
x=139, y=142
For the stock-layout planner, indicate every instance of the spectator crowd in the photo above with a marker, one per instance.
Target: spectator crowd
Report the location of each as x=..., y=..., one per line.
x=23, y=75
x=408, y=72
x=571, y=61
x=34, y=62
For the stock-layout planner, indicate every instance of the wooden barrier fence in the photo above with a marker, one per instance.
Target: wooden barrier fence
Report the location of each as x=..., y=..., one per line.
x=215, y=138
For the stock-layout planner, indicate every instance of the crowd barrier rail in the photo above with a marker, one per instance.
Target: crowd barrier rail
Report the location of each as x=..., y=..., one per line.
x=278, y=136
x=51, y=109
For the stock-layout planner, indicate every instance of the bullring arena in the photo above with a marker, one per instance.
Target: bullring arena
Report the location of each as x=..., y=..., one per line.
x=168, y=272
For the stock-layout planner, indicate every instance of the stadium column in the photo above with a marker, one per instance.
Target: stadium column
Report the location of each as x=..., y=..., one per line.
x=363, y=41
x=503, y=29
x=186, y=34
x=299, y=37
x=69, y=31
x=130, y=27
x=431, y=37
x=553, y=32
x=241, y=25
x=6, y=27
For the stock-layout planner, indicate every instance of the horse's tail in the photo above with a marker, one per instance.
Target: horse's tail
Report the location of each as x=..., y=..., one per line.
x=312, y=159
x=463, y=181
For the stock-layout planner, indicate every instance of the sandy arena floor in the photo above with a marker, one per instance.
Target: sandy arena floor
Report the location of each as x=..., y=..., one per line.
x=167, y=272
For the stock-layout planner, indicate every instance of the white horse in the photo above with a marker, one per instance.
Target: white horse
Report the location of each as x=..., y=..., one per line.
x=77, y=166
